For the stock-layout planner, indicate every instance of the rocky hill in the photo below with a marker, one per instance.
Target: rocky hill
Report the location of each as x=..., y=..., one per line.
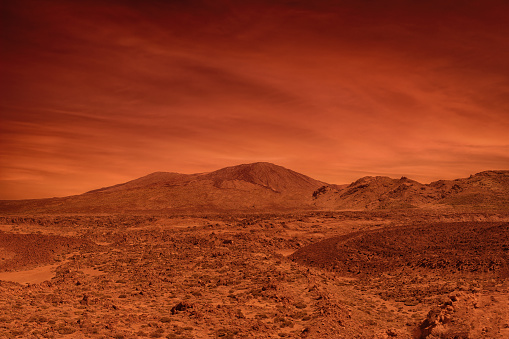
x=485, y=190
x=265, y=187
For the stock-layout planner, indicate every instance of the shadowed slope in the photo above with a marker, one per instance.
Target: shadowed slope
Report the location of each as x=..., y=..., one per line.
x=455, y=247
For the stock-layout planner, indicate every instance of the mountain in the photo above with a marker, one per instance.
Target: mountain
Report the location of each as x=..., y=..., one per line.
x=375, y=193
x=249, y=187
x=265, y=187
x=485, y=190
x=488, y=189
x=275, y=178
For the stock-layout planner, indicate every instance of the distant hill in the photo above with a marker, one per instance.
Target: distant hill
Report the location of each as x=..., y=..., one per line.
x=265, y=187
x=485, y=190
x=249, y=187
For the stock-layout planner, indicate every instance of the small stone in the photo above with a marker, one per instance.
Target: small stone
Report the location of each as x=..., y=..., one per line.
x=391, y=333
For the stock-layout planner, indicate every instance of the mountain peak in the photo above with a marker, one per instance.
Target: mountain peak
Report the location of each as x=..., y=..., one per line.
x=266, y=174
x=256, y=166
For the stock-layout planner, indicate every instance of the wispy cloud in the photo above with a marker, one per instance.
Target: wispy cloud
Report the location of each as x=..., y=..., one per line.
x=99, y=92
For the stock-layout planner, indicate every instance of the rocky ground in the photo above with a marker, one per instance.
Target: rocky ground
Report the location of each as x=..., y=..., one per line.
x=221, y=276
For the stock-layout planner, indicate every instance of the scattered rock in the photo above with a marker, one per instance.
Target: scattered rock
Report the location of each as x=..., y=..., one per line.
x=84, y=301
x=180, y=307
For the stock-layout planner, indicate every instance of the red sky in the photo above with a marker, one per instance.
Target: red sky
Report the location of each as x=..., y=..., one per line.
x=94, y=93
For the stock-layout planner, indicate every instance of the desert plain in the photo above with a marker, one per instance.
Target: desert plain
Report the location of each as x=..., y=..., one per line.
x=291, y=260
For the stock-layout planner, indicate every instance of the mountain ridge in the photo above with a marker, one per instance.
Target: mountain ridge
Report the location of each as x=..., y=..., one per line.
x=263, y=186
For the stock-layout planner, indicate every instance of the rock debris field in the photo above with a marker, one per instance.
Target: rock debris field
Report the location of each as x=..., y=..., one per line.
x=398, y=274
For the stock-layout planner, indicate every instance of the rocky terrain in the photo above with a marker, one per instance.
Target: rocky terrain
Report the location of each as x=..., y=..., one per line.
x=450, y=247
x=483, y=191
x=404, y=274
x=264, y=187
x=259, y=251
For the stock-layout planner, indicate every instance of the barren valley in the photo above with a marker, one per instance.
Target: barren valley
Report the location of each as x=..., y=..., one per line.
x=375, y=272
x=260, y=169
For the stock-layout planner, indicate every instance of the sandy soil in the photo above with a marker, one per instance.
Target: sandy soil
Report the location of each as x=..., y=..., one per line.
x=234, y=276
x=34, y=276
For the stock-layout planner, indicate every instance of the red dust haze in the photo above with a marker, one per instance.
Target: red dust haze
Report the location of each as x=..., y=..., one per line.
x=94, y=93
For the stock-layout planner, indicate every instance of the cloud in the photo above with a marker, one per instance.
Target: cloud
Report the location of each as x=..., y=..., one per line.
x=102, y=91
